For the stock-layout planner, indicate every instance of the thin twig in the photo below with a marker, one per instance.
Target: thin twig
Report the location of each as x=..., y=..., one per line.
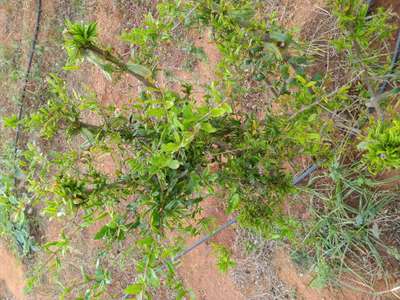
x=393, y=290
x=189, y=13
x=106, y=55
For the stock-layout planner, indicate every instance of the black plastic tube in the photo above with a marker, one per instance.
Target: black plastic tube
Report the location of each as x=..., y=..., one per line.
x=205, y=238
x=26, y=77
x=370, y=3
x=394, y=64
x=303, y=175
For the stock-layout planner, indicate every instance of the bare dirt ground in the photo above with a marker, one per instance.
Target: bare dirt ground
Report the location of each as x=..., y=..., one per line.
x=198, y=270
x=11, y=276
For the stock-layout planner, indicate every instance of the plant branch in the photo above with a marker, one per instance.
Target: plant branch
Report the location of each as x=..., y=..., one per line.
x=90, y=127
x=106, y=55
x=307, y=107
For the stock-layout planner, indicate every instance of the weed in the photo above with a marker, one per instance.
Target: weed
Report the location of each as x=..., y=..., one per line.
x=348, y=224
x=224, y=259
x=15, y=222
x=382, y=146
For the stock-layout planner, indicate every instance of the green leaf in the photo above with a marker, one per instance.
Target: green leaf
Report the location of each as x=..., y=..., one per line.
x=87, y=294
x=153, y=278
x=323, y=274
x=217, y=112
x=88, y=134
x=140, y=70
x=71, y=68
x=233, y=203
x=105, y=67
x=227, y=108
x=279, y=36
x=169, y=104
x=395, y=91
x=101, y=233
x=155, y=219
x=10, y=122
x=187, y=138
x=359, y=221
x=207, y=127
x=221, y=110
x=155, y=112
x=174, y=164
x=170, y=267
x=170, y=147
x=159, y=161
x=134, y=289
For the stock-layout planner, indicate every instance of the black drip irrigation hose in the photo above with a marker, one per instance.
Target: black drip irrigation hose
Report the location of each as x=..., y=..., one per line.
x=370, y=3
x=303, y=175
x=23, y=95
x=26, y=77
x=205, y=238
x=394, y=64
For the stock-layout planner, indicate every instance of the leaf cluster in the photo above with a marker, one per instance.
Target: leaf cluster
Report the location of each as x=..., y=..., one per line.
x=382, y=146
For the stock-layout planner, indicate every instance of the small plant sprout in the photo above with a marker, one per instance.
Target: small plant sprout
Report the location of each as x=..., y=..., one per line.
x=224, y=258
